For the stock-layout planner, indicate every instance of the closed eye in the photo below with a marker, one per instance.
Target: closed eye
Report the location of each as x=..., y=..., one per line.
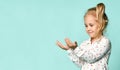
x=91, y=25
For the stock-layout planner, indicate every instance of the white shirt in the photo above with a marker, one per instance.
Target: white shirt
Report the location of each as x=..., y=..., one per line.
x=92, y=56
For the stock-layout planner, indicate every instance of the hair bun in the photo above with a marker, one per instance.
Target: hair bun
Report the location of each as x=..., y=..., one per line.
x=100, y=10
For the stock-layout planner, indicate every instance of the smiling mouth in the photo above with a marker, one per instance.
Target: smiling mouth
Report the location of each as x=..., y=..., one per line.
x=90, y=31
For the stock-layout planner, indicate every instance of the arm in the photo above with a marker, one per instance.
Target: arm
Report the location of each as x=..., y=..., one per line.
x=72, y=55
x=72, y=51
x=95, y=53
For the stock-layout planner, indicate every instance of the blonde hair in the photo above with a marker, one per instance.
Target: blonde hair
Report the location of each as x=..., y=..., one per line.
x=99, y=13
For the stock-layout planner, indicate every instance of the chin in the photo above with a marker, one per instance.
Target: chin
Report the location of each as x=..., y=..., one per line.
x=91, y=36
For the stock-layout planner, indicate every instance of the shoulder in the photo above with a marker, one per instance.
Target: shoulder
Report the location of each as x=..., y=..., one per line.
x=105, y=40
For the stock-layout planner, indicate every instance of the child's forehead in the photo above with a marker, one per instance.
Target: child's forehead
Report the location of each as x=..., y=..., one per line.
x=90, y=17
x=93, y=13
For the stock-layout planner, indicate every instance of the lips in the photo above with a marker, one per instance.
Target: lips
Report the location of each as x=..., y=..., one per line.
x=90, y=32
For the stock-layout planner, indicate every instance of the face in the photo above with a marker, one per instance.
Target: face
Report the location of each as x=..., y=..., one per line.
x=91, y=25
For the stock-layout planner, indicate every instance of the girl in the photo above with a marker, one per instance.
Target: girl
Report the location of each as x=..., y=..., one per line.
x=92, y=54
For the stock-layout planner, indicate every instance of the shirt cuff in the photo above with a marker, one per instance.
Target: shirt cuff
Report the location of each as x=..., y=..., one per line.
x=70, y=50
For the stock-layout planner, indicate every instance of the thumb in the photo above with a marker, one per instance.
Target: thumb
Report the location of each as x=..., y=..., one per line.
x=75, y=43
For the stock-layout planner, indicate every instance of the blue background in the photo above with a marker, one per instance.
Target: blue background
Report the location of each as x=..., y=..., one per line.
x=29, y=30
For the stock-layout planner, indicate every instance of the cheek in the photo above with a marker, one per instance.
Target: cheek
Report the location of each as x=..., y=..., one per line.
x=96, y=27
x=86, y=30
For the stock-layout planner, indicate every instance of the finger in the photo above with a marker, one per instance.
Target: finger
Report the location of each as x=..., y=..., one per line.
x=76, y=43
x=68, y=42
x=60, y=44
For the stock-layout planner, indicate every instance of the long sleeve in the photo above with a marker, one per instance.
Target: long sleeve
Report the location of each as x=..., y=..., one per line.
x=72, y=54
x=92, y=56
x=96, y=51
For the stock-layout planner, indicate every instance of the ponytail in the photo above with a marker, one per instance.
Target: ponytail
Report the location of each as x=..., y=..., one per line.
x=101, y=16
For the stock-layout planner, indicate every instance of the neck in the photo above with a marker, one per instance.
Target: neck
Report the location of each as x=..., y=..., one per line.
x=93, y=39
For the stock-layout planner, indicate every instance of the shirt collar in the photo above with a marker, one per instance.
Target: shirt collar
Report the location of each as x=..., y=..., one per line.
x=96, y=41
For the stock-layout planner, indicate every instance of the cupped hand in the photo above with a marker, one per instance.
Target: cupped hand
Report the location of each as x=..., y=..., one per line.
x=58, y=43
x=69, y=44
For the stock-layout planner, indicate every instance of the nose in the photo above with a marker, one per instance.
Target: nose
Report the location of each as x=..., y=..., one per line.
x=88, y=28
